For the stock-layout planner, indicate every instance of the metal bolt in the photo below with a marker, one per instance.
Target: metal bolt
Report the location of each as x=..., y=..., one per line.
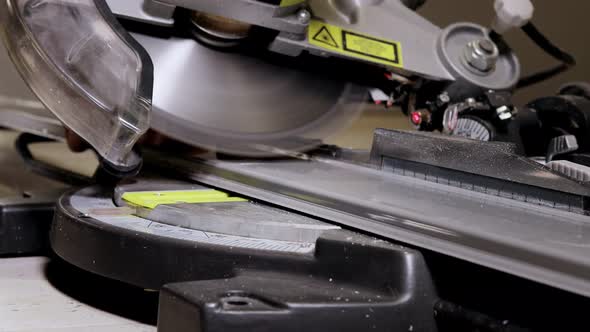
x=487, y=46
x=481, y=55
x=304, y=16
x=504, y=112
x=444, y=98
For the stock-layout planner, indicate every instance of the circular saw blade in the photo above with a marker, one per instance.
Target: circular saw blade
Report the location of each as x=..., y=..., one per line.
x=239, y=104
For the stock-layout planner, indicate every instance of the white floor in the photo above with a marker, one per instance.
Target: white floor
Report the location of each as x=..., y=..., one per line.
x=30, y=303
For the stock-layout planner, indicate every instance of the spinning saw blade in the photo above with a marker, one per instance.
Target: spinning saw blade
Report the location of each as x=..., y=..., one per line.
x=245, y=105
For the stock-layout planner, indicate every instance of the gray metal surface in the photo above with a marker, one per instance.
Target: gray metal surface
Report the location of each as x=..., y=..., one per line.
x=239, y=104
x=542, y=244
x=147, y=11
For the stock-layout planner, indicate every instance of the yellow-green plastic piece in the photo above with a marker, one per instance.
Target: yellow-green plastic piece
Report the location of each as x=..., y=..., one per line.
x=151, y=199
x=288, y=3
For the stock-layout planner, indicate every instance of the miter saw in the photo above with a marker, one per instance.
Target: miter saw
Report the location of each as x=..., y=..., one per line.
x=276, y=230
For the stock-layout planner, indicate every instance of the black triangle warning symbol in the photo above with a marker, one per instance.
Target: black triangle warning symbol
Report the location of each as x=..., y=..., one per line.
x=324, y=36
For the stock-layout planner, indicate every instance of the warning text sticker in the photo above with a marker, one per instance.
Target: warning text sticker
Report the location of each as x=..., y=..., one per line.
x=356, y=45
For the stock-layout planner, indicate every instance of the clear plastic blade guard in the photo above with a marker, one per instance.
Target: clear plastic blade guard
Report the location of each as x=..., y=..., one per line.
x=85, y=68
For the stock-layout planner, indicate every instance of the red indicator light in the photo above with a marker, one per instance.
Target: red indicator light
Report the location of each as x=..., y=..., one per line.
x=416, y=118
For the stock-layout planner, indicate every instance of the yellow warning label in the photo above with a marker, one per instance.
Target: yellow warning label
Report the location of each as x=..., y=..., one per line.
x=151, y=199
x=324, y=36
x=353, y=44
x=287, y=3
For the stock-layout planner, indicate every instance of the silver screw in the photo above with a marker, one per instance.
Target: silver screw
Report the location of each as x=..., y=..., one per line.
x=481, y=55
x=487, y=46
x=444, y=98
x=303, y=16
x=504, y=112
